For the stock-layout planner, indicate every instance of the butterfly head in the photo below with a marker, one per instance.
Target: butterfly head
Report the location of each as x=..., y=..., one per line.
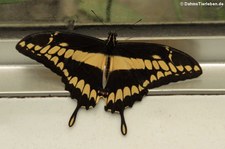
x=111, y=40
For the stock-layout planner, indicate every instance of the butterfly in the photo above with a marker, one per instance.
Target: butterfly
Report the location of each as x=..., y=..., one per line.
x=118, y=72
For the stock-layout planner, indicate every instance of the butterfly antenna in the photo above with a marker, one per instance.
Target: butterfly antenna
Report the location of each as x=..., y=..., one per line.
x=100, y=20
x=123, y=123
x=131, y=24
x=137, y=21
x=108, y=10
x=74, y=115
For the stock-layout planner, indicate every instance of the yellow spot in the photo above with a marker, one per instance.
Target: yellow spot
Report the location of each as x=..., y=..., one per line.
x=61, y=51
x=45, y=49
x=196, y=68
x=122, y=63
x=68, y=78
x=172, y=67
x=79, y=55
x=66, y=73
x=119, y=94
x=145, y=83
x=73, y=81
x=126, y=92
x=55, y=59
x=56, y=33
x=138, y=63
x=54, y=49
x=22, y=44
x=98, y=98
x=134, y=90
x=163, y=65
x=168, y=73
x=167, y=48
x=48, y=56
x=111, y=97
x=188, y=68
x=170, y=57
x=93, y=94
x=140, y=88
x=50, y=40
x=37, y=48
x=160, y=74
x=180, y=68
x=86, y=90
x=155, y=64
x=124, y=130
x=152, y=78
x=69, y=53
x=30, y=46
x=93, y=59
x=156, y=56
x=61, y=65
x=63, y=44
x=72, y=121
x=80, y=85
x=148, y=64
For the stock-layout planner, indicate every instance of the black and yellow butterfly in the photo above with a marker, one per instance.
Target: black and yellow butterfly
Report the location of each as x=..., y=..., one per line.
x=120, y=73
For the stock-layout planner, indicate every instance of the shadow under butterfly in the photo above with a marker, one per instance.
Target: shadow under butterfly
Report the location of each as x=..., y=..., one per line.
x=120, y=73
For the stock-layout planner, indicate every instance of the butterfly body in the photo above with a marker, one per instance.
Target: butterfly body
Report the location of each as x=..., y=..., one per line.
x=118, y=72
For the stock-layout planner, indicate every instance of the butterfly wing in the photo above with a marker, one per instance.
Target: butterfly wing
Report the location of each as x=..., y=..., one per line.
x=137, y=67
x=72, y=57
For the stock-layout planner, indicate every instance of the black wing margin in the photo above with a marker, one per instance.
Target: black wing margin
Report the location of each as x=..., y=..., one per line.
x=70, y=56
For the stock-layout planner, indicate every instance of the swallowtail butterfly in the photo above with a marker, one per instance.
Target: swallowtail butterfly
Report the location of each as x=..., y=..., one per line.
x=120, y=73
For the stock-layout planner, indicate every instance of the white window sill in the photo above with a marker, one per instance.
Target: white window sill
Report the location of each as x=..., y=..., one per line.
x=165, y=122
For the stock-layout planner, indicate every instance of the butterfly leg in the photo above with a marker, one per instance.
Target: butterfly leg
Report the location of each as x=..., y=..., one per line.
x=74, y=115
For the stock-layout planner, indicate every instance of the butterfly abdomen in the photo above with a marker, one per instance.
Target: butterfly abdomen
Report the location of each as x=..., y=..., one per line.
x=107, y=68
